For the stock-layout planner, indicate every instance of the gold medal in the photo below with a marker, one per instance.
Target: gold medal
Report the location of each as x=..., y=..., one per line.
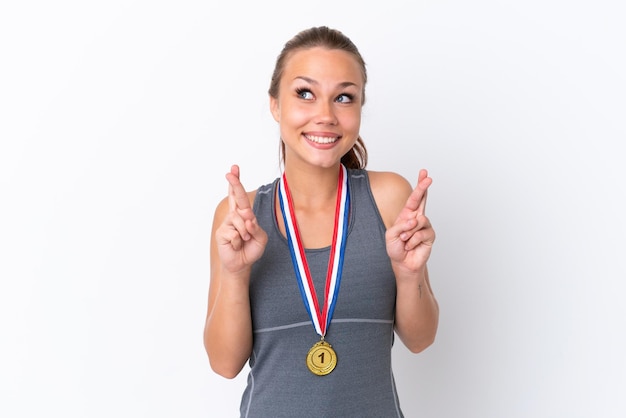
x=321, y=358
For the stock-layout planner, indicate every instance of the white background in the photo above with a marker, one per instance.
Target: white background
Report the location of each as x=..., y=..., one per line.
x=118, y=120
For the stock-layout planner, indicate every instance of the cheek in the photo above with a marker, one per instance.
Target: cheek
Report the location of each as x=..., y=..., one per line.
x=352, y=120
x=294, y=116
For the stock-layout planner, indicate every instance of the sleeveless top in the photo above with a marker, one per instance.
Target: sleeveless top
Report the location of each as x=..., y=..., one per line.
x=361, y=332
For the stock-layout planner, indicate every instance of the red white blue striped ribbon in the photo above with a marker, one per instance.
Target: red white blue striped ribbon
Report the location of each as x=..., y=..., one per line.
x=320, y=318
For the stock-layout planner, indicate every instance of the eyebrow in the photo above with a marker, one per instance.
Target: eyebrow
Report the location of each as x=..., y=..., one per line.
x=311, y=81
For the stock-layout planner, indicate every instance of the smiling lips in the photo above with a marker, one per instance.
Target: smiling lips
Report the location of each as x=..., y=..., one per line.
x=321, y=139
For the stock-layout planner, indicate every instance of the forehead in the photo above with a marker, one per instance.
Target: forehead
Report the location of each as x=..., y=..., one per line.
x=323, y=64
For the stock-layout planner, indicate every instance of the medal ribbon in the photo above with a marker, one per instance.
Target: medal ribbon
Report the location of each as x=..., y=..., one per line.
x=320, y=318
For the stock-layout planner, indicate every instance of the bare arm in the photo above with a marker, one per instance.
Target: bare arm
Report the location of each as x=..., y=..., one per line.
x=409, y=237
x=237, y=242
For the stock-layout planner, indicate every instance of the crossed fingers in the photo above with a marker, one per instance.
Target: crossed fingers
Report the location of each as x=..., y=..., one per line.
x=414, y=213
x=239, y=204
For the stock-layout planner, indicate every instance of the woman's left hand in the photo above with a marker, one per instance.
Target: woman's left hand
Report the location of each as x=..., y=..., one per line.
x=411, y=237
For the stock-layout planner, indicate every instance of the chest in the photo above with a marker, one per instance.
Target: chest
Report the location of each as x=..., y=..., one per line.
x=367, y=288
x=315, y=227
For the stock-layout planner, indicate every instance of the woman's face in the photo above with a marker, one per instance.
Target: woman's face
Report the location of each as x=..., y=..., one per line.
x=319, y=105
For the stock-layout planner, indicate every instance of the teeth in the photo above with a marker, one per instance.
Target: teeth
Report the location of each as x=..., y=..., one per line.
x=321, y=139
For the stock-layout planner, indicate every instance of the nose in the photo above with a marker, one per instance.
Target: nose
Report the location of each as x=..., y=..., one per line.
x=326, y=113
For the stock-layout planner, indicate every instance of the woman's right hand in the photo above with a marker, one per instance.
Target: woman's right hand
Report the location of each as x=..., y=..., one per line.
x=240, y=240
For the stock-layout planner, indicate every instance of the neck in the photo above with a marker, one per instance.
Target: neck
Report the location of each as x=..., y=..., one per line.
x=312, y=185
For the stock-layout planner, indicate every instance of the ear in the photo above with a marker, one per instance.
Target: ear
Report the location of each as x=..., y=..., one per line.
x=275, y=109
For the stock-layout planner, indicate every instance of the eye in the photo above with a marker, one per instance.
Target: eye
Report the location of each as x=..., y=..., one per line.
x=304, y=94
x=345, y=98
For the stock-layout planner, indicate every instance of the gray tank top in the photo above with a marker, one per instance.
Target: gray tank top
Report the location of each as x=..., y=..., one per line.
x=361, y=332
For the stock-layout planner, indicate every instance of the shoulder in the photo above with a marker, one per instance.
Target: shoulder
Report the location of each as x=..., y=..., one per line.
x=390, y=191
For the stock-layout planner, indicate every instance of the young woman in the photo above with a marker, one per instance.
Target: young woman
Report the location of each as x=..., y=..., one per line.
x=313, y=274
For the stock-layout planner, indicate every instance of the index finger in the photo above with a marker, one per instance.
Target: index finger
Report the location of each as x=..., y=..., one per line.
x=423, y=183
x=237, y=196
x=421, y=209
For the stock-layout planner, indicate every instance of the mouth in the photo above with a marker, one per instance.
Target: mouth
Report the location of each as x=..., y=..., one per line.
x=322, y=139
